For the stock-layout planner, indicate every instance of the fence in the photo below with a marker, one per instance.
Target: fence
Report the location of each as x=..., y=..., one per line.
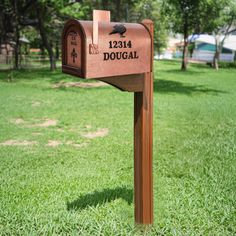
x=25, y=61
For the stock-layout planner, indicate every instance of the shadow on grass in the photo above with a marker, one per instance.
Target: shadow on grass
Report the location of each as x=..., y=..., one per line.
x=44, y=74
x=184, y=73
x=101, y=197
x=169, y=86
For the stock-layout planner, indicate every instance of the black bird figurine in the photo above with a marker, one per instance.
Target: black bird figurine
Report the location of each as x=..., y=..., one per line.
x=119, y=29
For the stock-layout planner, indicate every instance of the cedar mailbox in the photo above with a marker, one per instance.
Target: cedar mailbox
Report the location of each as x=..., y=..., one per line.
x=120, y=54
x=122, y=49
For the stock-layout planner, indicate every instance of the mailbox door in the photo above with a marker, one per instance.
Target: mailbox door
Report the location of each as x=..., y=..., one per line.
x=73, y=55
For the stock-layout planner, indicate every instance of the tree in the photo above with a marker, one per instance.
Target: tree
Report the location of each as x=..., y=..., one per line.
x=148, y=9
x=218, y=18
x=16, y=31
x=43, y=18
x=183, y=17
x=9, y=27
x=51, y=15
x=13, y=18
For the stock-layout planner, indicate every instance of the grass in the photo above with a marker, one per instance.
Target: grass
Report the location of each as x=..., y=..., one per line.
x=88, y=190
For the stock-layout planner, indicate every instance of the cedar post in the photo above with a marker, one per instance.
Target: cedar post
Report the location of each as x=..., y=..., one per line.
x=136, y=77
x=143, y=119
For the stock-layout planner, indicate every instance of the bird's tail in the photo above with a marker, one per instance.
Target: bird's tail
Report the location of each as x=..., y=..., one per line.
x=113, y=32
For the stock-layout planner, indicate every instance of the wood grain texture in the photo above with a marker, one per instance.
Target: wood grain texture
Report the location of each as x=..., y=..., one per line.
x=143, y=153
x=99, y=16
x=130, y=83
x=111, y=56
x=143, y=122
x=77, y=68
x=127, y=75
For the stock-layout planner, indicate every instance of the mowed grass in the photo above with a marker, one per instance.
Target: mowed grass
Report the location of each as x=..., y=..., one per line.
x=84, y=186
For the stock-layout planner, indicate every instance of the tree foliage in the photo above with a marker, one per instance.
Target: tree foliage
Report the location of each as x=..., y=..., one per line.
x=42, y=20
x=219, y=19
x=200, y=16
x=183, y=17
x=148, y=9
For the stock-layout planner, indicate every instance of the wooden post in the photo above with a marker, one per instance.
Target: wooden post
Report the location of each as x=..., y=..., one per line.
x=133, y=76
x=143, y=119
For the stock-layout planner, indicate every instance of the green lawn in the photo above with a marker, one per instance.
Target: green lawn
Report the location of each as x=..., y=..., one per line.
x=57, y=180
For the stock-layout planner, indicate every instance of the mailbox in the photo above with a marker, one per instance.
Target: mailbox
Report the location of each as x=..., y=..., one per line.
x=120, y=54
x=120, y=49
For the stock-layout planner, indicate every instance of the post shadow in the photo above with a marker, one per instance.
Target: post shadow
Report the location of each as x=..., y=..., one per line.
x=101, y=197
x=170, y=86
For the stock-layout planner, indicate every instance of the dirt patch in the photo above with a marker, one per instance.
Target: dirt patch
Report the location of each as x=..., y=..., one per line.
x=77, y=145
x=60, y=130
x=46, y=123
x=69, y=142
x=56, y=143
x=36, y=104
x=99, y=133
x=53, y=143
x=17, y=121
x=72, y=130
x=18, y=143
x=80, y=84
x=37, y=134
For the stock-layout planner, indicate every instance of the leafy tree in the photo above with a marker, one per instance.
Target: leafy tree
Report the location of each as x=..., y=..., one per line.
x=183, y=17
x=45, y=13
x=218, y=19
x=46, y=16
x=151, y=9
x=13, y=19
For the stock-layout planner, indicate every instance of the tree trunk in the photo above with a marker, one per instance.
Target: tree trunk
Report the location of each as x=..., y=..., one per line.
x=216, y=57
x=44, y=37
x=219, y=45
x=185, y=57
x=185, y=49
x=16, y=51
x=42, y=52
x=57, y=51
x=216, y=60
x=16, y=34
x=2, y=33
x=7, y=54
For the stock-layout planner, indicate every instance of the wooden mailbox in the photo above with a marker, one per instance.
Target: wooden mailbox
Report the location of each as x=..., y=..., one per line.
x=115, y=54
x=120, y=54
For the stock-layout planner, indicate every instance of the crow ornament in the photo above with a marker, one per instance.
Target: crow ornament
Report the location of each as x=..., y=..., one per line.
x=119, y=29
